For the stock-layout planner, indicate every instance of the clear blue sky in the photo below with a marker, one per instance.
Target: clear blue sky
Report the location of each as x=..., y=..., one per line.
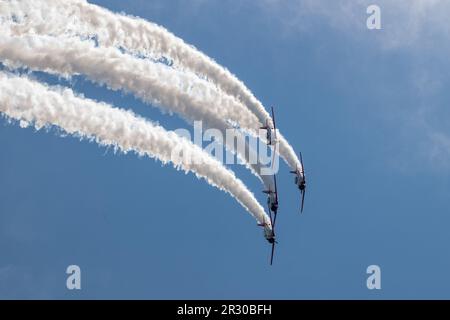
x=368, y=109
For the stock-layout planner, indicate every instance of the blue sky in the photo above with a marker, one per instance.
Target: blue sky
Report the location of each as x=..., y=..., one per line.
x=368, y=109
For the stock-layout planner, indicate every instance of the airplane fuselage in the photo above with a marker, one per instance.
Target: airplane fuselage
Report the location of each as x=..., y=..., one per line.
x=269, y=136
x=300, y=182
x=272, y=202
x=269, y=234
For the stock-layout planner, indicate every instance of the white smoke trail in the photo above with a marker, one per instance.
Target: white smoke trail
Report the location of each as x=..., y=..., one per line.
x=79, y=18
x=154, y=83
x=31, y=102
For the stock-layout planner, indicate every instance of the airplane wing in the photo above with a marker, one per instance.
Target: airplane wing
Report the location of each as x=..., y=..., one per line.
x=270, y=215
x=274, y=220
x=303, y=200
x=274, y=124
x=273, y=251
x=303, y=167
x=304, y=180
x=275, y=135
x=275, y=185
x=276, y=199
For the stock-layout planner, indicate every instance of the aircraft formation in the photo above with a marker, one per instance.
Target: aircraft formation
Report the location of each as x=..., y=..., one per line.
x=272, y=195
x=178, y=79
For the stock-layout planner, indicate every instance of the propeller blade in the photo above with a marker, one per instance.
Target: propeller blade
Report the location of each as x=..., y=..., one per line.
x=273, y=251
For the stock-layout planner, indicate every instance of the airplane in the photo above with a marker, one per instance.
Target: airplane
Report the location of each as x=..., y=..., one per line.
x=271, y=132
x=272, y=200
x=300, y=181
x=269, y=234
